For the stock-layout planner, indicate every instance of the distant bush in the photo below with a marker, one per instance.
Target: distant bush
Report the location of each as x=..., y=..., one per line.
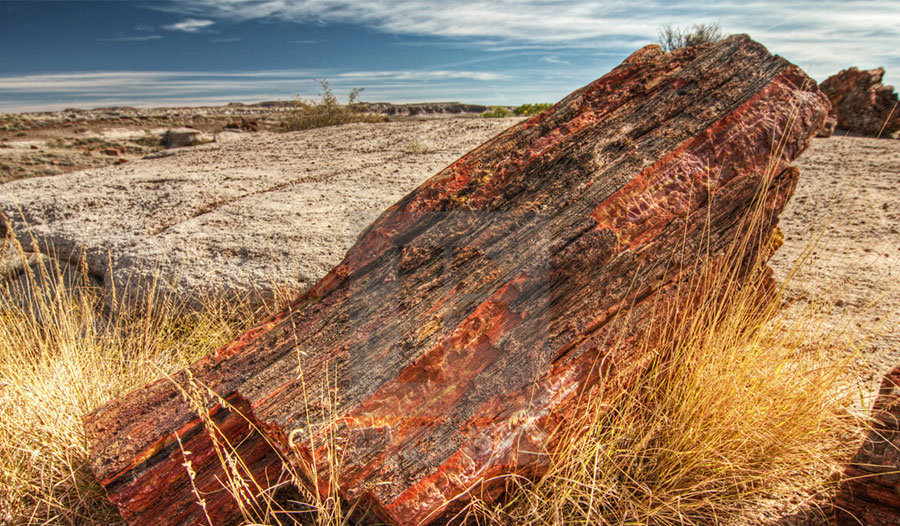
x=671, y=38
x=496, y=112
x=532, y=109
x=326, y=111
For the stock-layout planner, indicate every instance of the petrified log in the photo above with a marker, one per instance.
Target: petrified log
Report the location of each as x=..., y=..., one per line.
x=468, y=320
x=870, y=490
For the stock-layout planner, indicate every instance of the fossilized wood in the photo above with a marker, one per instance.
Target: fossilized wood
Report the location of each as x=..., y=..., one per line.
x=870, y=489
x=470, y=318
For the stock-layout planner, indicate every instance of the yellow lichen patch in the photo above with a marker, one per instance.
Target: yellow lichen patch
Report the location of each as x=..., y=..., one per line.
x=428, y=330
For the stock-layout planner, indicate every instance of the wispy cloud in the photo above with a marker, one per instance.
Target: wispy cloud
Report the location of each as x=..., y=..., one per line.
x=147, y=88
x=552, y=59
x=131, y=38
x=190, y=25
x=821, y=35
x=423, y=75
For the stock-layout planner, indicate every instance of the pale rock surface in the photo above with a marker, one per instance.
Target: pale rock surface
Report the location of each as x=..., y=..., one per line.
x=244, y=217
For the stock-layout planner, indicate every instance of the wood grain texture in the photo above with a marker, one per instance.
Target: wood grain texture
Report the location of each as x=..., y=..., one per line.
x=870, y=490
x=470, y=317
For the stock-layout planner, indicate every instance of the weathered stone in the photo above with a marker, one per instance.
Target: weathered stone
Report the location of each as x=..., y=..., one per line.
x=870, y=489
x=469, y=319
x=12, y=260
x=861, y=103
x=248, y=217
x=244, y=124
x=181, y=137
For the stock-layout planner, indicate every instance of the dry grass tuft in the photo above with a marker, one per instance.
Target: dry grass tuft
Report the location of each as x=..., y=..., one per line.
x=327, y=111
x=62, y=357
x=738, y=403
x=672, y=38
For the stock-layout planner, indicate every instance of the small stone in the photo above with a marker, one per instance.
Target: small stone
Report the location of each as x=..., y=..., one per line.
x=182, y=137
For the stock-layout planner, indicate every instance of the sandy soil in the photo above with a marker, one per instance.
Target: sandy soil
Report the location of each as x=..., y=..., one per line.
x=841, y=260
x=251, y=215
x=848, y=204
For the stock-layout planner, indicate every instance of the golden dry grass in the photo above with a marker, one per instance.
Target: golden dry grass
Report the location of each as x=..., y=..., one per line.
x=63, y=357
x=737, y=404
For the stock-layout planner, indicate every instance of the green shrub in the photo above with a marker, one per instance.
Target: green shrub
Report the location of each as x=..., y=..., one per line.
x=532, y=109
x=326, y=111
x=671, y=38
x=496, y=112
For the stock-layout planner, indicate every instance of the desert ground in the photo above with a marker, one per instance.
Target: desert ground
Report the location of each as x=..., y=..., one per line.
x=57, y=142
x=267, y=213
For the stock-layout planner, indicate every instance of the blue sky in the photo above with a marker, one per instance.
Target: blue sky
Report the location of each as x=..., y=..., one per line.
x=58, y=54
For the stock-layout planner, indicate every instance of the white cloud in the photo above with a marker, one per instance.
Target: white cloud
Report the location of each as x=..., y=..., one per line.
x=821, y=35
x=133, y=38
x=158, y=88
x=190, y=25
x=591, y=36
x=422, y=75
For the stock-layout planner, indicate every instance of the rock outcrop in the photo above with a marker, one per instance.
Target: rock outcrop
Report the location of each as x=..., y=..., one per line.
x=181, y=137
x=244, y=124
x=828, y=129
x=426, y=108
x=249, y=217
x=470, y=318
x=862, y=104
x=870, y=490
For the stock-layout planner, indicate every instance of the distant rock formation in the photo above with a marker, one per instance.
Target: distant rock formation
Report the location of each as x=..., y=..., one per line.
x=862, y=104
x=244, y=124
x=425, y=108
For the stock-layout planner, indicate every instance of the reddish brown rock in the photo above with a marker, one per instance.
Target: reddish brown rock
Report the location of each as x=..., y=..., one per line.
x=862, y=104
x=469, y=319
x=870, y=491
x=244, y=124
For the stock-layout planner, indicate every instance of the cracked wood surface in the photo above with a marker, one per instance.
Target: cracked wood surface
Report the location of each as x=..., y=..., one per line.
x=467, y=320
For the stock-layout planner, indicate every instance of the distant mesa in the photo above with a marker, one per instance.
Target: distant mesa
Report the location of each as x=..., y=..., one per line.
x=425, y=108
